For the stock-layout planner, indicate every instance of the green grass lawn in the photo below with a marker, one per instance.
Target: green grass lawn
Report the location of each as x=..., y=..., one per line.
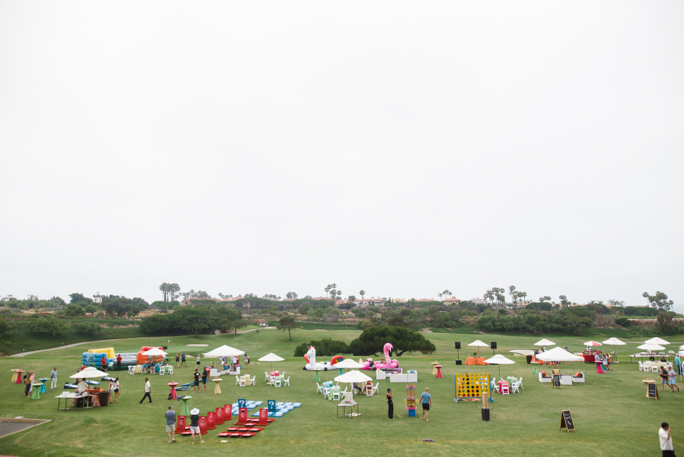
x=611, y=413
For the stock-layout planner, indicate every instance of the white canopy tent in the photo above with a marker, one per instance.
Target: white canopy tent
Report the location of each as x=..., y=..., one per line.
x=544, y=342
x=559, y=354
x=498, y=359
x=89, y=372
x=154, y=352
x=224, y=351
x=271, y=358
x=478, y=344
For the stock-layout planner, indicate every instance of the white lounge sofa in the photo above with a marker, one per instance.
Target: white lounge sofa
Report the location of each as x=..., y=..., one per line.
x=544, y=379
x=579, y=378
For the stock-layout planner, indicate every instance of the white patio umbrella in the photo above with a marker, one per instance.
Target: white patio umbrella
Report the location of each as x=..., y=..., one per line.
x=271, y=358
x=614, y=342
x=224, y=351
x=657, y=340
x=650, y=347
x=478, y=344
x=353, y=376
x=544, y=342
x=347, y=363
x=559, y=354
x=89, y=372
x=498, y=359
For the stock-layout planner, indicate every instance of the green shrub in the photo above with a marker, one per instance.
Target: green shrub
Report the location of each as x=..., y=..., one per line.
x=87, y=328
x=623, y=322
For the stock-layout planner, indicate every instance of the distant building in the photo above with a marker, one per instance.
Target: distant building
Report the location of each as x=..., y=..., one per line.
x=97, y=298
x=451, y=301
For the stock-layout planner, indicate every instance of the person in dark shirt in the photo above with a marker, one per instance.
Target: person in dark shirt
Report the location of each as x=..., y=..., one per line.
x=194, y=425
x=204, y=379
x=196, y=377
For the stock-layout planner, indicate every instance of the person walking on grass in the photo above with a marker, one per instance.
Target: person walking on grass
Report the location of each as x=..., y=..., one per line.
x=673, y=379
x=177, y=360
x=390, y=404
x=53, y=379
x=664, y=378
x=116, y=389
x=170, y=415
x=27, y=384
x=194, y=425
x=199, y=361
x=148, y=391
x=204, y=378
x=666, y=440
x=426, y=402
x=196, y=377
x=183, y=362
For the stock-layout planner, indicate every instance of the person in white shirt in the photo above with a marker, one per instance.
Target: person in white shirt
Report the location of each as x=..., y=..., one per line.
x=82, y=386
x=666, y=440
x=148, y=391
x=53, y=379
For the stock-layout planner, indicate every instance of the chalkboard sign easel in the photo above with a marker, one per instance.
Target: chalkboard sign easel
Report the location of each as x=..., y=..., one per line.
x=652, y=390
x=556, y=382
x=567, y=422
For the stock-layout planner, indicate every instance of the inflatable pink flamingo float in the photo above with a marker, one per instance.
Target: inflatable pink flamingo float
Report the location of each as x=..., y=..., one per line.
x=387, y=365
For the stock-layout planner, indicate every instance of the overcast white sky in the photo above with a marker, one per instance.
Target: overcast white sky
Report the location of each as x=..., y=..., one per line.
x=397, y=147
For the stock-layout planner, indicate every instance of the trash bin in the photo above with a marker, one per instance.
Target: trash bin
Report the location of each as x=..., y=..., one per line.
x=104, y=398
x=485, y=414
x=529, y=359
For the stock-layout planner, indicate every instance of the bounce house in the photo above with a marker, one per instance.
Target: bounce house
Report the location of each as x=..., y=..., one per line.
x=109, y=352
x=143, y=358
x=93, y=359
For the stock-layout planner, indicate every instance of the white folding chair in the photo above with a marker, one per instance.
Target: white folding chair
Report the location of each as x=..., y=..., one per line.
x=520, y=383
x=131, y=369
x=504, y=388
x=252, y=381
x=279, y=381
x=237, y=380
x=319, y=389
x=336, y=394
x=271, y=380
x=169, y=369
x=641, y=366
x=515, y=387
x=494, y=385
x=286, y=382
x=655, y=369
x=268, y=376
x=243, y=381
x=162, y=371
x=375, y=389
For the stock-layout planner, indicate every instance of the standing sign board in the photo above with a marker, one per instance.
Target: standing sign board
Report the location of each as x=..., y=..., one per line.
x=556, y=382
x=652, y=391
x=263, y=416
x=271, y=406
x=566, y=421
x=242, y=416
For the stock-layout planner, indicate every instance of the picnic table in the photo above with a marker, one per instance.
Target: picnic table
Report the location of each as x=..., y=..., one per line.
x=68, y=396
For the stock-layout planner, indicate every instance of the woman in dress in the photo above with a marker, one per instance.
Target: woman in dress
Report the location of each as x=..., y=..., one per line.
x=390, y=404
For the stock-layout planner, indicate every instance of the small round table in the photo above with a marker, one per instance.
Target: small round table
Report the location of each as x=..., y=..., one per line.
x=439, y=371
x=173, y=390
x=217, y=389
x=316, y=377
x=18, y=373
x=36, y=392
x=534, y=367
x=14, y=375
x=185, y=411
x=434, y=368
x=43, y=390
x=599, y=367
